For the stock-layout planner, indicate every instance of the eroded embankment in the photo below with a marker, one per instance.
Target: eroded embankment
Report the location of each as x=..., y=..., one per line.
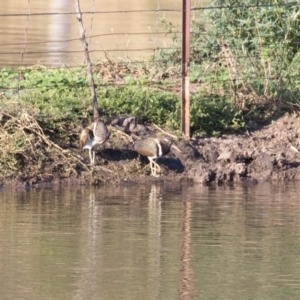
x=270, y=153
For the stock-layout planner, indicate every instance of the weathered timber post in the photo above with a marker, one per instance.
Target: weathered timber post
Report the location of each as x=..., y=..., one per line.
x=89, y=70
x=185, y=64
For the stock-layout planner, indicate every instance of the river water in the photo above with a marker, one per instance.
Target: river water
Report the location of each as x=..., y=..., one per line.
x=151, y=242
x=47, y=32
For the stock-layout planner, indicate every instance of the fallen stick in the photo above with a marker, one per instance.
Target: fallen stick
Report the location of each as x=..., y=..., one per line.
x=118, y=132
x=167, y=133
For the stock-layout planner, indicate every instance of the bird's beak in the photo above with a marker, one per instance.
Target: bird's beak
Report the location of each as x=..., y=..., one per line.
x=176, y=148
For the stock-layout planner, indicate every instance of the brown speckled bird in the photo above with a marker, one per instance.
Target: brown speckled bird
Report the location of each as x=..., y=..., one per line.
x=94, y=134
x=154, y=148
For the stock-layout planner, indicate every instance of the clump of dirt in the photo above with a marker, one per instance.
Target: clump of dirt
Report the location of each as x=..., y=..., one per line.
x=269, y=153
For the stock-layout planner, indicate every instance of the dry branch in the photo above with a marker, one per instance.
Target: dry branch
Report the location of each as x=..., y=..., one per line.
x=165, y=132
x=120, y=133
x=27, y=122
x=88, y=62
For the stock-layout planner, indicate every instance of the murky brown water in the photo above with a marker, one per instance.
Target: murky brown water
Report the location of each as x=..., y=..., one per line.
x=53, y=39
x=155, y=242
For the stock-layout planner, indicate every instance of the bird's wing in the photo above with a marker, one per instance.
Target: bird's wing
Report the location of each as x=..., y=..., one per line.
x=100, y=131
x=146, y=147
x=84, y=136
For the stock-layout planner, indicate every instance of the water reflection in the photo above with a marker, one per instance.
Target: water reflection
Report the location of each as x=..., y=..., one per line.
x=154, y=241
x=151, y=242
x=186, y=271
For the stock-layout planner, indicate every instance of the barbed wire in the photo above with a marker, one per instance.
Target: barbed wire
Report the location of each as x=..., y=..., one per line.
x=151, y=10
x=88, y=37
x=175, y=49
x=78, y=51
x=90, y=12
x=244, y=6
x=117, y=33
x=197, y=33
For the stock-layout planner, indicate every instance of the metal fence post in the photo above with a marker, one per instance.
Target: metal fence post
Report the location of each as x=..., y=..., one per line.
x=185, y=63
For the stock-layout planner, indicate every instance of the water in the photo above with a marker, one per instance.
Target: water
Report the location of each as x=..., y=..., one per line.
x=53, y=39
x=151, y=242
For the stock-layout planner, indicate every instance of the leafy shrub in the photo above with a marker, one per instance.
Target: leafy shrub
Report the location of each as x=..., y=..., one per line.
x=159, y=107
x=246, y=53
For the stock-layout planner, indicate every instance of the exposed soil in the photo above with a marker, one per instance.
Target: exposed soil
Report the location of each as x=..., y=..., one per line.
x=258, y=154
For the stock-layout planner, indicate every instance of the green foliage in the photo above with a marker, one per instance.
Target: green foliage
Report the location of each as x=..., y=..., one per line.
x=52, y=96
x=161, y=108
x=260, y=43
x=246, y=53
x=58, y=96
x=263, y=26
x=214, y=115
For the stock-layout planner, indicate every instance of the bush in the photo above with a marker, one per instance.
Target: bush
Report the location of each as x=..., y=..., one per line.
x=247, y=54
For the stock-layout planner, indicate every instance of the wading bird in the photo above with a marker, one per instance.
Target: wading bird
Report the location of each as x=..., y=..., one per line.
x=94, y=134
x=154, y=148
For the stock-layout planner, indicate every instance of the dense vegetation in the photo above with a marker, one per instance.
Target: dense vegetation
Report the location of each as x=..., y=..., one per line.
x=245, y=57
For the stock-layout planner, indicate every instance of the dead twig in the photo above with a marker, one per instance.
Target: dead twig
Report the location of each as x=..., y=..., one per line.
x=120, y=133
x=167, y=133
x=32, y=125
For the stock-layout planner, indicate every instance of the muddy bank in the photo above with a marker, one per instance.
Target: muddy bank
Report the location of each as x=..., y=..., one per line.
x=269, y=153
x=259, y=154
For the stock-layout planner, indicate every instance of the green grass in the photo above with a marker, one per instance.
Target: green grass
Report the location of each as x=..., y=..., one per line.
x=57, y=96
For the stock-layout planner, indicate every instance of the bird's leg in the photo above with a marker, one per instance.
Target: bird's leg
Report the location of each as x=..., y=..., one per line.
x=91, y=156
x=150, y=164
x=94, y=157
x=157, y=167
x=153, y=168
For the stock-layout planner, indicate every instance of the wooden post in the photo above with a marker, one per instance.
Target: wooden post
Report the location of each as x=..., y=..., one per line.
x=88, y=63
x=185, y=63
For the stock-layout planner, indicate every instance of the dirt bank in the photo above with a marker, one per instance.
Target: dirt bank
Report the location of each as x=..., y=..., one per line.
x=268, y=153
x=258, y=154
